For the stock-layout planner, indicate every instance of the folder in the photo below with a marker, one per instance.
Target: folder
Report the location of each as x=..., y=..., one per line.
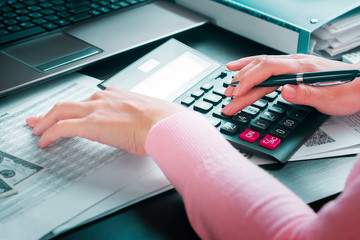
x=285, y=25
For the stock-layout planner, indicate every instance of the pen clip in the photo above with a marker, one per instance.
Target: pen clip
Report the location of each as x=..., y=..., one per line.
x=318, y=84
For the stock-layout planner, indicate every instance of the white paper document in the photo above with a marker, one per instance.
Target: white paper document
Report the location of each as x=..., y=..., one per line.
x=80, y=173
x=146, y=186
x=337, y=136
x=339, y=35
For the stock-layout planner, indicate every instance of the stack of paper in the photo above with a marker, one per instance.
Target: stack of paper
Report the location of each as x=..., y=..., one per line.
x=337, y=136
x=338, y=36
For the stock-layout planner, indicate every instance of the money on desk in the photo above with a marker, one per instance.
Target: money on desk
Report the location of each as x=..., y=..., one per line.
x=15, y=171
x=6, y=189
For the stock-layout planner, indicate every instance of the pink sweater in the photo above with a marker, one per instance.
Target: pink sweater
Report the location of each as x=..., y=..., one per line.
x=228, y=197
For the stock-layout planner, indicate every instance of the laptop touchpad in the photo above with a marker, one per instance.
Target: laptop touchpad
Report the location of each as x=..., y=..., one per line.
x=51, y=52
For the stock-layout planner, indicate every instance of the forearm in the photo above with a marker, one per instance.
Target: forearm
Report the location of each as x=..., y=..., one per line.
x=225, y=195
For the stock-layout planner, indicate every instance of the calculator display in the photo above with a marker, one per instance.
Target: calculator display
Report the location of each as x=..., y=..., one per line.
x=172, y=77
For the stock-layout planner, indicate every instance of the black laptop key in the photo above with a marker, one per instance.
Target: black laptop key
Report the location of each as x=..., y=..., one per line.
x=78, y=10
x=39, y=21
x=14, y=28
x=18, y=5
x=123, y=4
x=22, y=34
x=3, y=32
x=63, y=14
x=10, y=22
x=7, y=9
x=52, y=18
x=77, y=3
x=30, y=2
x=34, y=8
x=133, y=1
x=62, y=22
x=27, y=24
x=23, y=18
x=79, y=17
x=31, y=17
x=47, y=11
x=50, y=26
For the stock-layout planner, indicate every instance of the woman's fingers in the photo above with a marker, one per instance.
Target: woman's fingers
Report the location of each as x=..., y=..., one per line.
x=32, y=121
x=240, y=63
x=113, y=117
x=60, y=111
x=333, y=100
x=64, y=128
x=232, y=91
x=260, y=69
x=240, y=102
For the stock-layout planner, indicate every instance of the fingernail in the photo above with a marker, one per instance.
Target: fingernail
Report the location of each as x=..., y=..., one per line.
x=41, y=143
x=289, y=91
x=230, y=63
x=36, y=130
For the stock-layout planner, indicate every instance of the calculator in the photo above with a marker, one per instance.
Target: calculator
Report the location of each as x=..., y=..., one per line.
x=271, y=127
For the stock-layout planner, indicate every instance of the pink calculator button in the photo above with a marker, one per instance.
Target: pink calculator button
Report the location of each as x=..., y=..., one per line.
x=249, y=135
x=270, y=142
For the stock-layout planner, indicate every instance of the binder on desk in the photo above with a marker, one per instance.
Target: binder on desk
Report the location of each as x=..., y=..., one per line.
x=285, y=25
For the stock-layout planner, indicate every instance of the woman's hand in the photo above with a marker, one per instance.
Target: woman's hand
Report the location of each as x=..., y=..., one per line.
x=114, y=117
x=333, y=100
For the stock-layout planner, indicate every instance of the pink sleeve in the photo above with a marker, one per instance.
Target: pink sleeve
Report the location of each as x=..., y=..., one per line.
x=228, y=197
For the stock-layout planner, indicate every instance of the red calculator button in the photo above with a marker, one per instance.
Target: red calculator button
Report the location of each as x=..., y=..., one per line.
x=249, y=135
x=270, y=142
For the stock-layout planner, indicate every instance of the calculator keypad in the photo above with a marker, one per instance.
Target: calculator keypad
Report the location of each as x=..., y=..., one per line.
x=268, y=126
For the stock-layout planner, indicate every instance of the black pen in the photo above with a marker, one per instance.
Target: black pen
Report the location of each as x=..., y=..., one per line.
x=325, y=78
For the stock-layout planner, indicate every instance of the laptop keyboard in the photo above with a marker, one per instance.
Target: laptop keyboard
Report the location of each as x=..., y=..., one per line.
x=23, y=18
x=270, y=127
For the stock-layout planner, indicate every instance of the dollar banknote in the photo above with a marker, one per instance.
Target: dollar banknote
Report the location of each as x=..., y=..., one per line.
x=17, y=171
x=6, y=189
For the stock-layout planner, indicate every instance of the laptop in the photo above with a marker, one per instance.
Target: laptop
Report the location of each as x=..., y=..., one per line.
x=44, y=39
